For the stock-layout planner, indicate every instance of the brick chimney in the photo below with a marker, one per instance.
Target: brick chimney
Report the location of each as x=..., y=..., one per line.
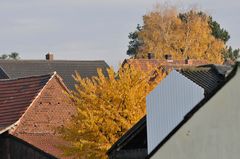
x=168, y=57
x=190, y=61
x=187, y=60
x=151, y=55
x=49, y=56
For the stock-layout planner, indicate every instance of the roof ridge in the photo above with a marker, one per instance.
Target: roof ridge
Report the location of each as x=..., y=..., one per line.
x=35, y=60
x=27, y=77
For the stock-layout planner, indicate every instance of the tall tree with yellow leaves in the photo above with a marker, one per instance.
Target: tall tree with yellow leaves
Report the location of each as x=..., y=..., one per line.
x=188, y=35
x=106, y=108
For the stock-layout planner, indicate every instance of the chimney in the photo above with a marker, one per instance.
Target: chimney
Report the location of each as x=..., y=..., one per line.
x=151, y=55
x=49, y=56
x=187, y=60
x=190, y=62
x=168, y=57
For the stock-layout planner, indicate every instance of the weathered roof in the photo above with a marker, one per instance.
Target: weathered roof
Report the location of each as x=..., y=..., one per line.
x=23, y=68
x=16, y=95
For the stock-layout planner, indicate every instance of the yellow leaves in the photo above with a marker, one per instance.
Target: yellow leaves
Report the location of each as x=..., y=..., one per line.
x=164, y=32
x=107, y=106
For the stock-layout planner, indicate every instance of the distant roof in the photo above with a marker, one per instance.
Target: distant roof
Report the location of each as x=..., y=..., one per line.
x=144, y=64
x=23, y=68
x=16, y=95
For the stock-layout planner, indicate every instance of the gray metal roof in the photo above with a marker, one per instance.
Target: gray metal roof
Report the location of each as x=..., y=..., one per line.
x=3, y=74
x=23, y=68
x=208, y=77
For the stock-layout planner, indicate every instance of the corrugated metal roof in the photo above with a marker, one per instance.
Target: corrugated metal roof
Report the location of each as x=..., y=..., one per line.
x=206, y=77
x=167, y=105
x=24, y=68
x=16, y=95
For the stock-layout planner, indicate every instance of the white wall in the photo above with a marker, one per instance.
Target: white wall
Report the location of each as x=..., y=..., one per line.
x=213, y=132
x=167, y=105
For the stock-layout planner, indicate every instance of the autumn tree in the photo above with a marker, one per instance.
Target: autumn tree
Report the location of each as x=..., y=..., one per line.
x=106, y=108
x=192, y=34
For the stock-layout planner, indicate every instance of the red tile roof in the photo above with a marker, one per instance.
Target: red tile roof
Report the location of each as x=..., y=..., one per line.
x=16, y=95
x=50, y=144
x=145, y=64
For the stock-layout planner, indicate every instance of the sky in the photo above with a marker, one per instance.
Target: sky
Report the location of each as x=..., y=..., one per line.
x=90, y=29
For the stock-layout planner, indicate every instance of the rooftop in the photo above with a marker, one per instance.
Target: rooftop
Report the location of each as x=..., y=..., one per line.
x=16, y=95
x=24, y=68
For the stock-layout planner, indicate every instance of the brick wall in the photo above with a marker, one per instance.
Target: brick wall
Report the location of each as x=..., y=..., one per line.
x=51, y=109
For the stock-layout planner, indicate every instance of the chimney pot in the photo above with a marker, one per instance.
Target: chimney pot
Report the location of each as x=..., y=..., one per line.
x=49, y=56
x=187, y=60
x=151, y=55
x=168, y=57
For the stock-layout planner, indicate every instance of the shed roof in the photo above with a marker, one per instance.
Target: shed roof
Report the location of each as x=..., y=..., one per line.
x=23, y=68
x=16, y=95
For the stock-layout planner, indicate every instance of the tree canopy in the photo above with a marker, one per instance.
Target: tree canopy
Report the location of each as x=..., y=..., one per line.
x=191, y=34
x=106, y=108
x=12, y=56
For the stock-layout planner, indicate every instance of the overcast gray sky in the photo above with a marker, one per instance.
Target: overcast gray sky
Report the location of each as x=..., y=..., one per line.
x=89, y=29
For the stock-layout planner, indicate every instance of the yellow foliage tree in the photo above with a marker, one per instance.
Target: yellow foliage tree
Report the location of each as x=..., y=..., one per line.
x=189, y=35
x=106, y=108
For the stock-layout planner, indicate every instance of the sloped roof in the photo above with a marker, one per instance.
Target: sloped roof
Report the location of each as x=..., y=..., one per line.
x=23, y=68
x=16, y=95
x=204, y=76
x=129, y=135
x=208, y=77
x=47, y=143
x=3, y=74
x=195, y=109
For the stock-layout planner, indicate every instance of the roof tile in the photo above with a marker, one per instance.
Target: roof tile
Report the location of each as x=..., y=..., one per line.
x=16, y=95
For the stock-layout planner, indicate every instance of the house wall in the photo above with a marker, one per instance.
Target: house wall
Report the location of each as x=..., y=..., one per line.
x=167, y=105
x=52, y=109
x=212, y=132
